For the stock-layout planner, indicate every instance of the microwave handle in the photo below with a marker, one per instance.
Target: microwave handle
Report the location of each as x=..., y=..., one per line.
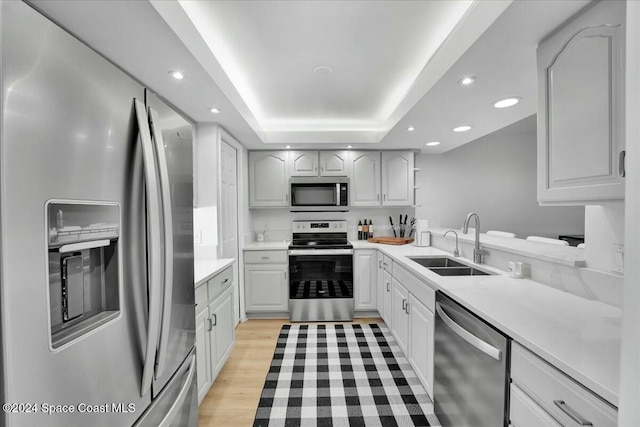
x=337, y=194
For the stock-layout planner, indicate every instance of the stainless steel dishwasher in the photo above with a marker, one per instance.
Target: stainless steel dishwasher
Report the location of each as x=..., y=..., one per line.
x=471, y=375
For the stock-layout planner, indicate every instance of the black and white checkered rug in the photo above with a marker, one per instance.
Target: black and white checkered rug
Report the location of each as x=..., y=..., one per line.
x=341, y=375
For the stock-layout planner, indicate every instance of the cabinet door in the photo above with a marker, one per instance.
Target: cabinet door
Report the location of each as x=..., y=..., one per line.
x=387, y=299
x=304, y=163
x=400, y=318
x=525, y=412
x=365, y=275
x=222, y=331
x=268, y=179
x=380, y=288
x=421, y=330
x=397, y=178
x=364, y=185
x=580, y=117
x=203, y=354
x=266, y=287
x=334, y=163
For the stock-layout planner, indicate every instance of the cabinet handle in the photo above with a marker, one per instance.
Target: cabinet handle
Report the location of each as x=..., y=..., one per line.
x=385, y=197
x=265, y=257
x=286, y=197
x=388, y=287
x=406, y=308
x=577, y=418
x=621, y=163
x=378, y=196
x=210, y=327
x=215, y=320
x=404, y=305
x=225, y=280
x=379, y=263
x=285, y=275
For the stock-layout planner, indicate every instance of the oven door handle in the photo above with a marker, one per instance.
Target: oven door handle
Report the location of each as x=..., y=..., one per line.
x=320, y=251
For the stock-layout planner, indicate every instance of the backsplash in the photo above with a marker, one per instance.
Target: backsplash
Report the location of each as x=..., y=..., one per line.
x=277, y=222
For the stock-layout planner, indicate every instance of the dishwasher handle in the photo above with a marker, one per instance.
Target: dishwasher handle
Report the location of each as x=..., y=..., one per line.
x=484, y=347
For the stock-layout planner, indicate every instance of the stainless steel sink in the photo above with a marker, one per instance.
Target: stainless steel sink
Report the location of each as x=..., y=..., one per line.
x=437, y=262
x=459, y=271
x=447, y=266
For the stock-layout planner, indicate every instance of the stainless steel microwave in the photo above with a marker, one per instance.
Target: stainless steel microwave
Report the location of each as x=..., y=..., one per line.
x=319, y=194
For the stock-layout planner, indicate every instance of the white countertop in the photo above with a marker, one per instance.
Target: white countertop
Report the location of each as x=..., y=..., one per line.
x=206, y=269
x=579, y=336
x=267, y=246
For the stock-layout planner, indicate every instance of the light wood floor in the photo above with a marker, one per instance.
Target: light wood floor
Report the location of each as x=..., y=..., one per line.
x=233, y=399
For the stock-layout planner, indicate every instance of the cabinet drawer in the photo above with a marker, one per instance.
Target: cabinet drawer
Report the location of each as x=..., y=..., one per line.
x=201, y=297
x=525, y=412
x=562, y=397
x=220, y=282
x=423, y=292
x=265, y=257
x=387, y=264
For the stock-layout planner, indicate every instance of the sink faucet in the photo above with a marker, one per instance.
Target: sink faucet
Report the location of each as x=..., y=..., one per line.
x=456, y=252
x=477, y=252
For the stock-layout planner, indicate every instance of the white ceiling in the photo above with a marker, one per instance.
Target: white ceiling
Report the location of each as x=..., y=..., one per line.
x=391, y=68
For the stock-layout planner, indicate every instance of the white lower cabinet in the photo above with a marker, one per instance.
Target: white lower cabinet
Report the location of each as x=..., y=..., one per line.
x=265, y=281
x=387, y=298
x=546, y=396
x=407, y=308
x=380, y=290
x=365, y=277
x=215, y=332
x=420, y=342
x=399, y=315
x=524, y=412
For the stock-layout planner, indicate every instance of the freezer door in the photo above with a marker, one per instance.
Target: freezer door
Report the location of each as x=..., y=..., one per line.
x=177, y=404
x=173, y=138
x=69, y=133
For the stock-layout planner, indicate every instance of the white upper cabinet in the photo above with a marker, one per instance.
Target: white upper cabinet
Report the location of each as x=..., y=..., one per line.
x=397, y=178
x=334, y=163
x=580, y=111
x=364, y=184
x=268, y=179
x=304, y=163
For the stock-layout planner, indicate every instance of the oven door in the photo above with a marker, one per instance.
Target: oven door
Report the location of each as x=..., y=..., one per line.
x=321, y=284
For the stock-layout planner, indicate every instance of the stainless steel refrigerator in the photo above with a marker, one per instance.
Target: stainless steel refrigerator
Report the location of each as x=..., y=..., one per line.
x=96, y=239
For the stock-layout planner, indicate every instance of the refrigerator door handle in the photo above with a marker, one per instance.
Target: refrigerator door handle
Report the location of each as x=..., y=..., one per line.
x=173, y=412
x=165, y=196
x=154, y=245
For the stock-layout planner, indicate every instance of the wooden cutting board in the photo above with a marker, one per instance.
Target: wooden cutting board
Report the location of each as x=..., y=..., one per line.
x=388, y=240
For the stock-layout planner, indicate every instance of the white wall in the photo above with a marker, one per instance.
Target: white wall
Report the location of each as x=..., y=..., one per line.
x=494, y=176
x=277, y=222
x=205, y=213
x=604, y=227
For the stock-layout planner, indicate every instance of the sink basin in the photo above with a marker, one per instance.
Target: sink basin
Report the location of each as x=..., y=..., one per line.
x=438, y=262
x=459, y=271
x=447, y=266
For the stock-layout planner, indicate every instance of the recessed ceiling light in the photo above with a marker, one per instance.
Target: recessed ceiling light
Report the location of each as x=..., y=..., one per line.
x=288, y=146
x=411, y=128
x=178, y=75
x=466, y=81
x=433, y=143
x=215, y=110
x=349, y=146
x=323, y=70
x=507, y=102
x=462, y=128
